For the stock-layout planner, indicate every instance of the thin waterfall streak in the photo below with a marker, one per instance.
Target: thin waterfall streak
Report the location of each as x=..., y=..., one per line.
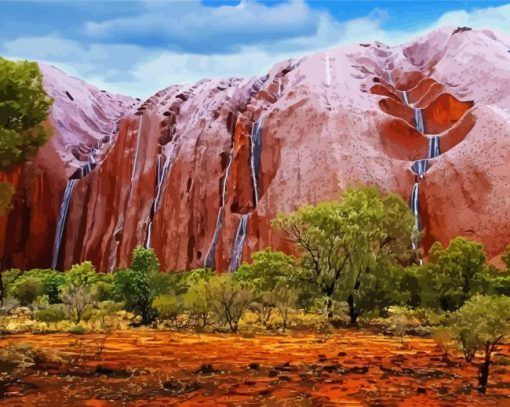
x=209, y=258
x=137, y=147
x=161, y=176
x=59, y=232
x=420, y=167
x=434, y=148
x=239, y=240
x=279, y=88
x=328, y=73
x=418, y=117
x=255, y=142
x=415, y=207
x=405, y=97
x=390, y=79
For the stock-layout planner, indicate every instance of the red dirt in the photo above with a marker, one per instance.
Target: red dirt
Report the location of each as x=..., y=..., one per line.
x=302, y=369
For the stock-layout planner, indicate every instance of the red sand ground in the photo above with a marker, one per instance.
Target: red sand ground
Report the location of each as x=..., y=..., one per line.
x=348, y=368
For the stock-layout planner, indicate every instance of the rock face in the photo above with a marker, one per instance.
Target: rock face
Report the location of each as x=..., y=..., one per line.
x=83, y=121
x=188, y=168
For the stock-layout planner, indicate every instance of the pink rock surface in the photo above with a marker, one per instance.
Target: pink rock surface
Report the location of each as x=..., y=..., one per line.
x=330, y=120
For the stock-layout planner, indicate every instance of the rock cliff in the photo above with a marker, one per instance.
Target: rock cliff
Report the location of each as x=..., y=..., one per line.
x=198, y=172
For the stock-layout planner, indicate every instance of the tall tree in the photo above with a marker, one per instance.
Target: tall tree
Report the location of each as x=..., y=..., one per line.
x=342, y=242
x=24, y=105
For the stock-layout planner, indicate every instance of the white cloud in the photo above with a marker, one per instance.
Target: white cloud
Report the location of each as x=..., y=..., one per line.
x=142, y=71
x=195, y=27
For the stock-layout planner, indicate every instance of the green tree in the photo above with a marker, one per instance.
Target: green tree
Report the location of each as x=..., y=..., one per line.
x=272, y=276
x=79, y=292
x=229, y=298
x=482, y=324
x=453, y=274
x=24, y=105
x=133, y=286
x=382, y=228
x=197, y=299
x=343, y=242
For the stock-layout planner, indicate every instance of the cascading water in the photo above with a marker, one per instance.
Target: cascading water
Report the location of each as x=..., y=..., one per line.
x=135, y=160
x=420, y=167
x=415, y=207
x=328, y=73
x=418, y=118
x=256, y=142
x=434, y=150
x=240, y=237
x=59, y=233
x=161, y=176
x=209, y=258
x=405, y=98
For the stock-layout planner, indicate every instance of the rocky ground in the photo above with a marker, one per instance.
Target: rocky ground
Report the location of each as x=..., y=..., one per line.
x=158, y=368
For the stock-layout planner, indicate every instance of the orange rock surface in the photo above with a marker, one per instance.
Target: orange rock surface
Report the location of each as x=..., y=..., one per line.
x=354, y=368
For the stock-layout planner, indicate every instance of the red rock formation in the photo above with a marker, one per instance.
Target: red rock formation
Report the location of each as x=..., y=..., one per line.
x=27, y=233
x=329, y=120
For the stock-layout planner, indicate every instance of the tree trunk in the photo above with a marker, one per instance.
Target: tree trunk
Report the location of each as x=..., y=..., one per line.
x=1, y=289
x=483, y=371
x=329, y=308
x=353, y=314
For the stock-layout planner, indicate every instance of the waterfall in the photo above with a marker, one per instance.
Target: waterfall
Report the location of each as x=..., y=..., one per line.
x=328, y=74
x=59, y=233
x=420, y=167
x=418, y=118
x=137, y=147
x=209, y=258
x=161, y=176
x=237, y=250
x=255, y=141
x=415, y=207
x=390, y=79
x=405, y=97
x=434, y=150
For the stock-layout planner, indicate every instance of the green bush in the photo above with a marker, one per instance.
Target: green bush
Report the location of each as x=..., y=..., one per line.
x=54, y=313
x=77, y=330
x=133, y=286
x=79, y=291
x=26, y=287
x=482, y=324
x=168, y=307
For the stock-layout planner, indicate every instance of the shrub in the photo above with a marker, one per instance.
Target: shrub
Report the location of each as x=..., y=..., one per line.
x=54, y=313
x=444, y=339
x=229, y=299
x=26, y=289
x=30, y=285
x=168, y=307
x=452, y=275
x=197, y=301
x=481, y=325
x=77, y=330
x=79, y=292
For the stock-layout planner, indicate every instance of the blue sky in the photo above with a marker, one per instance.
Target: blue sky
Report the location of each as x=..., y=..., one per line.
x=139, y=47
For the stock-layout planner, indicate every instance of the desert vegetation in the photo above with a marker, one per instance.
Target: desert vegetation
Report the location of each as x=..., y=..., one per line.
x=354, y=268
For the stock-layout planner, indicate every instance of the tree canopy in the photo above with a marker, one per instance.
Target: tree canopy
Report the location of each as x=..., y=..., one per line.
x=24, y=105
x=342, y=243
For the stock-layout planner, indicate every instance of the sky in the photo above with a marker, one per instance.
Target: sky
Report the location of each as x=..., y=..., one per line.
x=140, y=47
